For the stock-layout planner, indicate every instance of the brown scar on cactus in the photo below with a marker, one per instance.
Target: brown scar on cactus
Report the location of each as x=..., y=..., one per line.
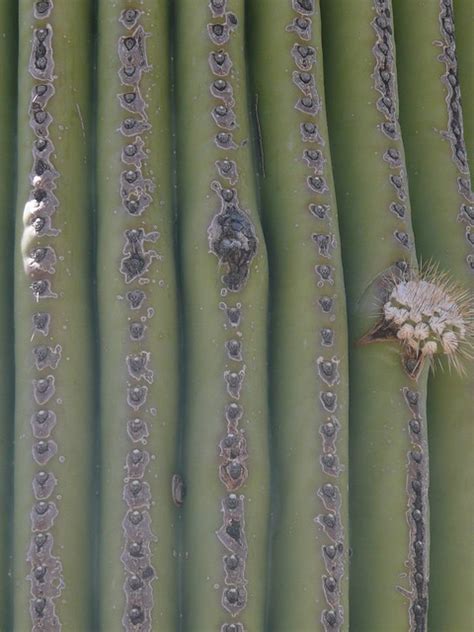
x=428, y=314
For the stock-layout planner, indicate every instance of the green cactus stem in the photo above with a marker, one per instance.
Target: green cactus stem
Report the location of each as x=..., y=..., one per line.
x=225, y=309
x=388, y=453
x=309, y=358
x=464, y=21
x=138, y=319
x=443, y=217
x=53, y=329
x=8, y=51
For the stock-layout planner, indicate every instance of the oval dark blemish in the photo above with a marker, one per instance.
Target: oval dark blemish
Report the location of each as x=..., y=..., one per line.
x=415, y=426
x=417, y=456
x=325, y=274
x=178, y=490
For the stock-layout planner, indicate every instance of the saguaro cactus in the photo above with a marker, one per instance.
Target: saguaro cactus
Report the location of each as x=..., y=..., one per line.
x=216, y=406
x=137, y=318
x=309, y=331
x=53, y=329
x=225, y=310
x=388, y=454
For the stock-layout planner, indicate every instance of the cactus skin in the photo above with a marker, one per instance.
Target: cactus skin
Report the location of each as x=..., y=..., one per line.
x=222, y=305
x=464, y=22
x=376, y=235
x=443, y=221
x=8, y=50
x=139, y=378
x=302, y=233
x=57, y=348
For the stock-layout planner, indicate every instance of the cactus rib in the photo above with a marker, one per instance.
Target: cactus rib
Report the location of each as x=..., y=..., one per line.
x=386, y=457
x=138, y=318
x=8, y=50
x=309, y=338
x=225, y=292
x=53, y=344
x=464, y=21
x=440, y=189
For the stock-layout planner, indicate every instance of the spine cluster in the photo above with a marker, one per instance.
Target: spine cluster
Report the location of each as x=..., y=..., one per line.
x=329, y=494
x=233, y=240
x=455, y=132
x=136, y=196
x=40, y=259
